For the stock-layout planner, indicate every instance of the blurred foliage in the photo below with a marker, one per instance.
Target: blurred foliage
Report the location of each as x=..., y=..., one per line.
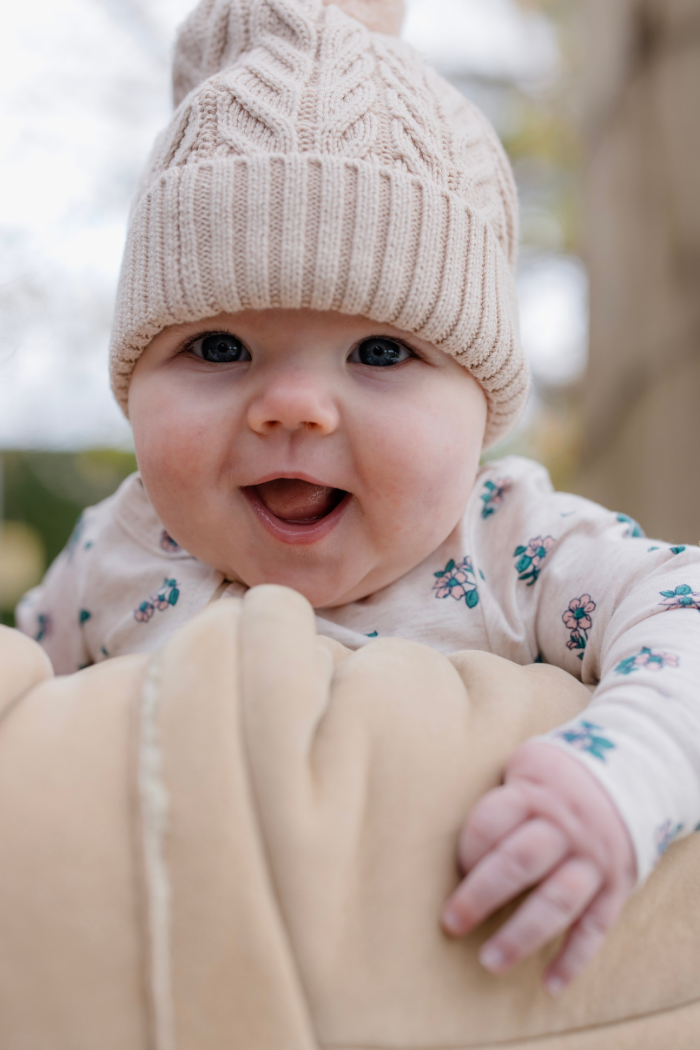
x=544, y=141
x=48, y=491
x=544, y=135
x=546, y=155
x=545, y=145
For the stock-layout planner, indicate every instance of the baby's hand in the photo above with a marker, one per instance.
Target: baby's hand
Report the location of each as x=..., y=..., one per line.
x=553, y=826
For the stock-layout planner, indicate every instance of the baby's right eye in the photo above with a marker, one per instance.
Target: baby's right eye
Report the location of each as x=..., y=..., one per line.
x=220, y=348
x=379, y=352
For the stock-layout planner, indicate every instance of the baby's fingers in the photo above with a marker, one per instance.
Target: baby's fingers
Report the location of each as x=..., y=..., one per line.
x=584, y=939
x=494, y=816
x=546, y=913
x=520, y=861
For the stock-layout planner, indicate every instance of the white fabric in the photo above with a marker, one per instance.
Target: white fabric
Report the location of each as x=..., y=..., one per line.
x=529, y=574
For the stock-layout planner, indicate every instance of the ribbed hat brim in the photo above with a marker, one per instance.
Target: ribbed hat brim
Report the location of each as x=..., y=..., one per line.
x=323, y=233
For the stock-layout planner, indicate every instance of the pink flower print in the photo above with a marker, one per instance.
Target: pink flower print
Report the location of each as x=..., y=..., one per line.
x=531, y=557
x=161, y=600
x=587, y=736
x=492, y=496
x=655, y=660
x=682, y=597
x=144, y=612
x=577, y=619
x=539, y=548
x=649, y=659
x=451, y=584
x=454, y=581
x=168, y=544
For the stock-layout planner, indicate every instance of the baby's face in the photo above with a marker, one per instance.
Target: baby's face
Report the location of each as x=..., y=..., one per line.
x=327, y=453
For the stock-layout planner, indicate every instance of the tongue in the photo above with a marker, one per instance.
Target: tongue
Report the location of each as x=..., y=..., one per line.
x=295, y=500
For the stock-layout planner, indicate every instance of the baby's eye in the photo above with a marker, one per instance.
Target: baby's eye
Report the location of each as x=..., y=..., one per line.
x=379, y=352
x=220, y=348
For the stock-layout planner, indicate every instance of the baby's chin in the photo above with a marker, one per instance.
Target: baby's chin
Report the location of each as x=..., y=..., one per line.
x=321, y=594
x=325, y=586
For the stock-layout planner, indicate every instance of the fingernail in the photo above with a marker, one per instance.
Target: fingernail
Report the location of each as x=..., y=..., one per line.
x=452, y=922
x=491, y=958
x=554, y=985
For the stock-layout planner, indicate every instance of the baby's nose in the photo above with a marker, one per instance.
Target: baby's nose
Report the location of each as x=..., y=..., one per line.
x=293, y=404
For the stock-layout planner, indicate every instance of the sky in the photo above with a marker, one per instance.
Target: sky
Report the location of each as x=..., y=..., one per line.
x=84, y=88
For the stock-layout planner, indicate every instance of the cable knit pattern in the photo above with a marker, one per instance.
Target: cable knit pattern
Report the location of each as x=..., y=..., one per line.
x=210, y=40
x=314, y=163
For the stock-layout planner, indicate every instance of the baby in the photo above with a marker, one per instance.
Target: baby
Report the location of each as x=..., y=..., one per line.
x=315, y=339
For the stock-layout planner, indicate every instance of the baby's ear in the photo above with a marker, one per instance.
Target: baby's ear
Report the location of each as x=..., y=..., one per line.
x=381, y=16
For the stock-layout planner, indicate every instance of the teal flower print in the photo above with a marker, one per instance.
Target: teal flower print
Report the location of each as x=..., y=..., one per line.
x=577, y=619
x=677, y=550
x=144, y=612
x=634, y=530
x=43, y=626
x=649, y=659
x=664, y=836
x=683, y=597
x=530, y=558
x=585, y=736
x=492, y=496
x=162, y=599
x=83, y=616
x=457, y=581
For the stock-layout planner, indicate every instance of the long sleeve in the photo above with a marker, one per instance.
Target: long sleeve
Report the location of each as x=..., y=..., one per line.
x=122, y=585
x=621, y=612
x=53, y=613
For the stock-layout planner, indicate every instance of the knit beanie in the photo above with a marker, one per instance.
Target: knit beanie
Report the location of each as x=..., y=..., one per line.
x=314, y=160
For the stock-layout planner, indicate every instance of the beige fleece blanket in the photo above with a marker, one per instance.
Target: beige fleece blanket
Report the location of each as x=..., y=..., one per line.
x=244, y=841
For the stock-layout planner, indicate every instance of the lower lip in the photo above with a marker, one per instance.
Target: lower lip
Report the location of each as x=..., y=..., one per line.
x=296, y=533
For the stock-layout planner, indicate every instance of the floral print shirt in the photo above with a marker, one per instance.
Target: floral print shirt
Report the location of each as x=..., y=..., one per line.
x=529, y=574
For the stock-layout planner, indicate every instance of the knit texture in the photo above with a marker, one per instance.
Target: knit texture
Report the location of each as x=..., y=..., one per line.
x=314, y=163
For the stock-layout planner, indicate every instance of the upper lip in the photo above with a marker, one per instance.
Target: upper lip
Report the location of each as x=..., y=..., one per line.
x=297, y=475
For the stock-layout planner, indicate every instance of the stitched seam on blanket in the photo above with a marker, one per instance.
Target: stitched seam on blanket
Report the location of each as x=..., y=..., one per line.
x=154, y=809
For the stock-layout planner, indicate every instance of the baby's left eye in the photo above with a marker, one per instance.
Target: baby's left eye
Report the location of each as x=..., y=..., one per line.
x=220, y=348
x=379, y=352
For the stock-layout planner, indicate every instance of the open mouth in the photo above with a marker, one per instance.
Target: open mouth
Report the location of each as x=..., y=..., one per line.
x=298, y=502
x=297, y=511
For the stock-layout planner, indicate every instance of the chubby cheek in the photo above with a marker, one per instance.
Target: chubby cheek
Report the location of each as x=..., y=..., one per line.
x=419, y=464
x=177, y=452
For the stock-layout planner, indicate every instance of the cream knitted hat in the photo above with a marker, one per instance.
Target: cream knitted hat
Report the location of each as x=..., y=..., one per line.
x=316, y=161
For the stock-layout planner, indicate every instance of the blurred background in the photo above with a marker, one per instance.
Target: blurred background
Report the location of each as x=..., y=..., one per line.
x=597, y=103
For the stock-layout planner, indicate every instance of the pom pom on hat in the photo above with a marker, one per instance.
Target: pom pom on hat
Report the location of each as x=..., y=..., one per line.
x=314, y=161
